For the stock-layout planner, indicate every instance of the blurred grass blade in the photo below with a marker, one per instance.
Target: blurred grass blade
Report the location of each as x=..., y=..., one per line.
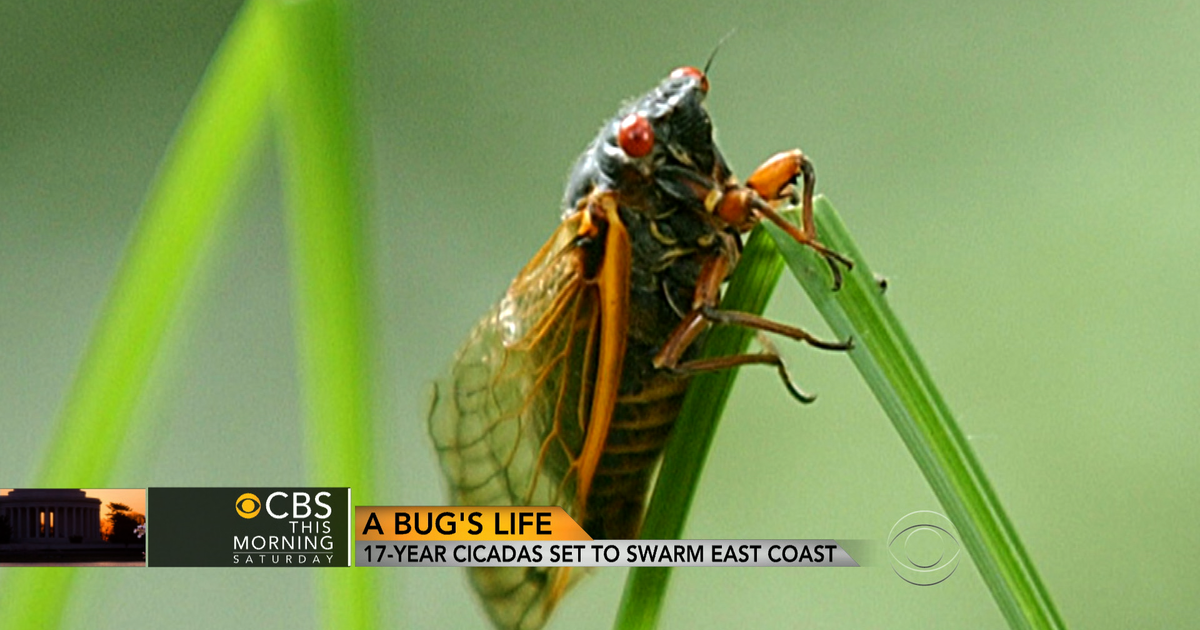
x=322, y=166
x=184, y=207
x=892, y=369
x=753, y=281
x=186, y=203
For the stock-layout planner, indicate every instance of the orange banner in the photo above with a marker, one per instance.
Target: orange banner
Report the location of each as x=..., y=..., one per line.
x=465, y=523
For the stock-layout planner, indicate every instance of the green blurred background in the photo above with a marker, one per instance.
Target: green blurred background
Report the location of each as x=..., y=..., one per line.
x=1025, y=175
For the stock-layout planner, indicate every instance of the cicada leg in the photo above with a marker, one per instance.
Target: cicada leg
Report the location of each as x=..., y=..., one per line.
x=768, y=357
x=705, y=313
x=774, y=180
x=743, y=206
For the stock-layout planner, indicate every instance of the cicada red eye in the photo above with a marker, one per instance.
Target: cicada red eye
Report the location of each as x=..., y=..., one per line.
x=689, y=71
x=635, y=136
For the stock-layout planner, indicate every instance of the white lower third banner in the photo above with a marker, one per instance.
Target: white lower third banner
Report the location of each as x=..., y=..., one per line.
x=605, y=553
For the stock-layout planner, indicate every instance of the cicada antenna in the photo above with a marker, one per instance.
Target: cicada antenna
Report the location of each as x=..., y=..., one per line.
x=720, y=43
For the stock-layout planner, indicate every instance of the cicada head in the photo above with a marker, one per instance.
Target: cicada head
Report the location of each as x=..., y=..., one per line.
x=667, y=130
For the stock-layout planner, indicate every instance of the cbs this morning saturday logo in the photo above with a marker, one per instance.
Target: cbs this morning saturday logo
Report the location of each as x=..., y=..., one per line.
x=254, y=527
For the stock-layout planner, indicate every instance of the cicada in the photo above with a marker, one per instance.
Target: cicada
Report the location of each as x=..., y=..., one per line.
x=566, y=391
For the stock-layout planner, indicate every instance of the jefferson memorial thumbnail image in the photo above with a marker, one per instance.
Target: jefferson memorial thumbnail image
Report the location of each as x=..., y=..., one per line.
x=67, y=527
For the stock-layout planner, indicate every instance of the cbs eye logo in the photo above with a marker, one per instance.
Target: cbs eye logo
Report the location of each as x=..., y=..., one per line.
x=247, y=505
x=923, y=548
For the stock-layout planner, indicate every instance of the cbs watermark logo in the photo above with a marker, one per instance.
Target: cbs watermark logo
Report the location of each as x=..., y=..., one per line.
x=924, y=548
x=247, y=505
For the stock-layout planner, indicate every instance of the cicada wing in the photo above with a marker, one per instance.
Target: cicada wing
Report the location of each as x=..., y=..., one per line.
x=508, y=420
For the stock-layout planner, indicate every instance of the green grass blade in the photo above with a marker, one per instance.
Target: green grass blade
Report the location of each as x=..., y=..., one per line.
x=186, y=203
x=326, y=211
x=892, y=369
x=753, y=281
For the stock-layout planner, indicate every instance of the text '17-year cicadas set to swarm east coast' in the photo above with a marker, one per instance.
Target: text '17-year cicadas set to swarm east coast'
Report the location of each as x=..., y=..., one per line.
x=566, y=391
